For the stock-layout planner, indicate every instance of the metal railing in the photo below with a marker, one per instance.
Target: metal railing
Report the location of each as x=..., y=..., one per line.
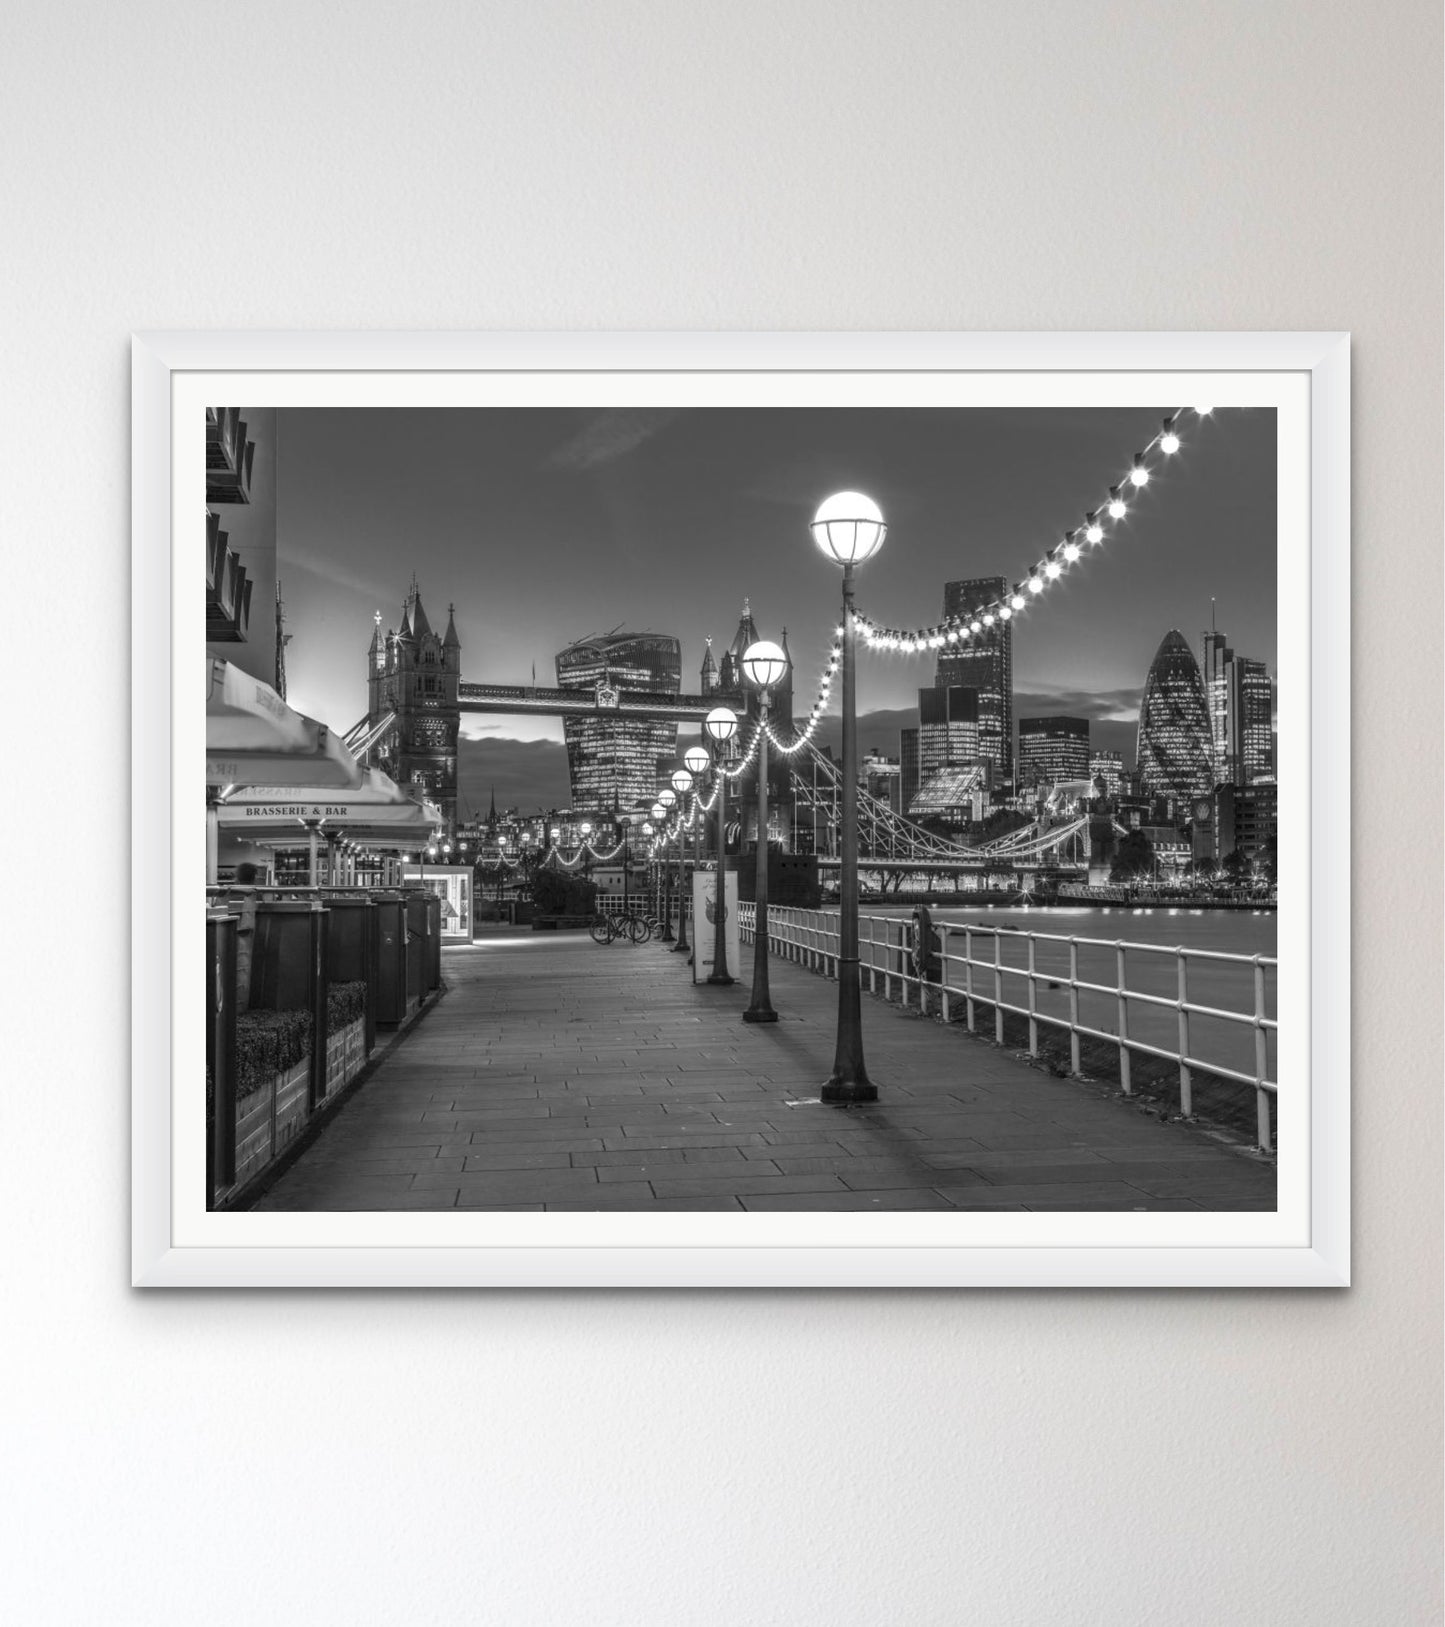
x=1076, y=985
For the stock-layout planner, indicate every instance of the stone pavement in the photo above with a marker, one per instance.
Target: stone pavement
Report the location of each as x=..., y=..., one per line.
x=558, y=1074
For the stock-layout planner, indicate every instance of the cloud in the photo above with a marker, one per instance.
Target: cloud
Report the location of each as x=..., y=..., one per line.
x=609, y=435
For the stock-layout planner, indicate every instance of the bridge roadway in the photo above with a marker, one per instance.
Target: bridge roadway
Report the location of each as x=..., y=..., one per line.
x=600, y=701
x=557, y=1074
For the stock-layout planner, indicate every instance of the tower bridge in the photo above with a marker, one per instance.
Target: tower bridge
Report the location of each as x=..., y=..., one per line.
x=416, y=696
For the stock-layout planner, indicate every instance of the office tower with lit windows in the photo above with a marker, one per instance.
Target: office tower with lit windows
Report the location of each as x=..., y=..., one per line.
x=1108, y=768
x=1176, y=743
x=1215, y=667
x=613, y=761
x=1251, y=722
x=985, y=665
x=1052, y=751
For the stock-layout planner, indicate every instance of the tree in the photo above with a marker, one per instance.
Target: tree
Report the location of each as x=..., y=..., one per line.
x=1236, y=864
x=1135, y=858
x=1267, y=860
x=1205, y=866
x=556, y=892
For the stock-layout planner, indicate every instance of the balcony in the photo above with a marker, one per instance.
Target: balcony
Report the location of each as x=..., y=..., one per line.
x=229, y=456
x=228, y=589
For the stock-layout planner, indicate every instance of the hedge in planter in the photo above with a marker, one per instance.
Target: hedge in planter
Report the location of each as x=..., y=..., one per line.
x=268, y=1043
x=345, y=1004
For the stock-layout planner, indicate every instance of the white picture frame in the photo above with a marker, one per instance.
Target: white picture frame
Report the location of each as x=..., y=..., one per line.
x=171, y=1247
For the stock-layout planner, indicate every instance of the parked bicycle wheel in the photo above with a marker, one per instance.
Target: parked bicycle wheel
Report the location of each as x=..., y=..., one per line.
x=602, y=929
x=638, y=929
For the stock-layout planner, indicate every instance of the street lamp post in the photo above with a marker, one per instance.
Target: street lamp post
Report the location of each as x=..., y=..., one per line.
x=849, y=528
x=667, y=801
x=720, y=726
x=764, y=664
x=681, y=785
x=696, y=761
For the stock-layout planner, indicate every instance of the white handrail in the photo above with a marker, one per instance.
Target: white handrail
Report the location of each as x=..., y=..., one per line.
x=810, y=938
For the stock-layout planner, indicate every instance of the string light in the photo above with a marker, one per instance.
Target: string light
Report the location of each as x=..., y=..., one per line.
x=961, y=628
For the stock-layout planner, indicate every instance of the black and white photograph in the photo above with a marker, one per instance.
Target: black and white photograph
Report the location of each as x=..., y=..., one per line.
x=746, y=809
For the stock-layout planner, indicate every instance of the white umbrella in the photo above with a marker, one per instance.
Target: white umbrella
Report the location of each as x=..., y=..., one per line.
x=253, y=737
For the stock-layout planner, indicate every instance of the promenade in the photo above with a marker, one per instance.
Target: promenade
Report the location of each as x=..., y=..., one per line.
x=557, y=1074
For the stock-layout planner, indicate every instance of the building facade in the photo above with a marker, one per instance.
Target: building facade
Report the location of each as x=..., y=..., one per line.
x=1251, y=722
x=412, y=676
x=984, y=665
x=1052, y=751
x=1245, y=818
x=1240, y=697
x=613, y=762
x=1176, y=742
x=1107, y=767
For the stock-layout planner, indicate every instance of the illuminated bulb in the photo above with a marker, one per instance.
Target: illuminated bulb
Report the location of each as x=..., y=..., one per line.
x=1095, y=533
x=975, y=627
x=1017, y=601
x=953, y=635
x=1139, y=475
x=1036, y=584
x=1204, y=412
x=1053, y=568
x=1169, y=443
x=1117, y=510
x=1005, y=613
x=1071, y=551
x=988, y=619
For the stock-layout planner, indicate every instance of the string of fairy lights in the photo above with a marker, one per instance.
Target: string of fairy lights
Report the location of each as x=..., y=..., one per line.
x=1072, y=550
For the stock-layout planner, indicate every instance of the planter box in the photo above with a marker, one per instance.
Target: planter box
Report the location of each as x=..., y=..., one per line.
x=253, y=1132
x=292, y=1090
x=345, y=1054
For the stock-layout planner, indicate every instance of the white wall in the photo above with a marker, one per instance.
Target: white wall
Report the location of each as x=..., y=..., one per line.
x=1059, y=1458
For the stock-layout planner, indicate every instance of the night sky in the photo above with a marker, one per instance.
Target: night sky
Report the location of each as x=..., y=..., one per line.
x=544, y=525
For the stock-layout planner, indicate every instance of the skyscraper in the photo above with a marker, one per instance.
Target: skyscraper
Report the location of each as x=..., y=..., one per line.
x=1251, y=709
x=947, y=729
x=613, y=761
x=1218, y=658
x=986, y=665
x=1052, y=750
x=1240, y=697
x=1176, y=743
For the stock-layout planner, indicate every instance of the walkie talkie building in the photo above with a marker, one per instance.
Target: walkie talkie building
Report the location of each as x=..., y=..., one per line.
x=613, y=761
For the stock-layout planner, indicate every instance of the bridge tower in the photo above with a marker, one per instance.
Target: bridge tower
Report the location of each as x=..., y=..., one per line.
x=414, y=673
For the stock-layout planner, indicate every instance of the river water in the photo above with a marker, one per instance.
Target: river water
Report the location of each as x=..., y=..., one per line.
x=1221, y=985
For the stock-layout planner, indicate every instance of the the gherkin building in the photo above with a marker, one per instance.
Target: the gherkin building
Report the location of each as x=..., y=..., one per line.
x=1175, y=740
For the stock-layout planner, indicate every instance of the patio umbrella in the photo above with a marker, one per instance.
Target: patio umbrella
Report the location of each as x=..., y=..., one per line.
x=254, y=738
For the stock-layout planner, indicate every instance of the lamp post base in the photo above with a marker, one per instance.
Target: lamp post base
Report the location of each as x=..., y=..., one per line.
x=846, y=1092
x=723, y=982
x=760, y=1014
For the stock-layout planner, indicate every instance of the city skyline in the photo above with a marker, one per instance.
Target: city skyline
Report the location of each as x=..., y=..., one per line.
x=544, y=524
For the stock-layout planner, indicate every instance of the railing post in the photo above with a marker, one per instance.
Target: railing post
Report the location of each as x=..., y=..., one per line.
x=1186, y=1073
x=1074, y=1063
x=997, y=987
x=1033, y=998
x=1261, y=1061
x=943, y=963
x=968, y=976
x=1121, y=990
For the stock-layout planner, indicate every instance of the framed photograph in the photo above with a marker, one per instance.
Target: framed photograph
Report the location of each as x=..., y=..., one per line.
x=1007, y=687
